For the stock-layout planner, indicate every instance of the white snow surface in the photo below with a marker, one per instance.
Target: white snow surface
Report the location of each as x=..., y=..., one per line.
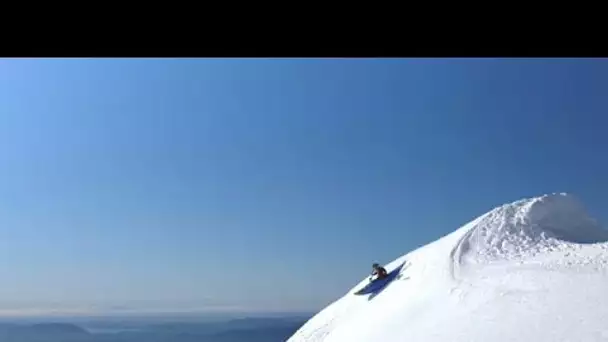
x=531, y=270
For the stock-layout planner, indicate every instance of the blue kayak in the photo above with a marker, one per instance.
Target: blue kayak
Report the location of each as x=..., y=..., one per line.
x=378, y=284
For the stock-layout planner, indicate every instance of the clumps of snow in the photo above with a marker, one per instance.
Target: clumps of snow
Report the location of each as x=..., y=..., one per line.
x=528, y=227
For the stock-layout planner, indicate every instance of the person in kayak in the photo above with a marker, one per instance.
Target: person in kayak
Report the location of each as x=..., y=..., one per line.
x=378, y=271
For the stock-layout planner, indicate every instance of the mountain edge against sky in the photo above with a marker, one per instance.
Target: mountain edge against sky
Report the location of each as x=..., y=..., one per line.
x=534, y=269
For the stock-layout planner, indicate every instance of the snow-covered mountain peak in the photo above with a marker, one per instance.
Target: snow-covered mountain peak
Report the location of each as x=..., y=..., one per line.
x=512, y=274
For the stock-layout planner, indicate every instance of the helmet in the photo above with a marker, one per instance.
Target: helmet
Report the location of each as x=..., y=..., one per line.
x=375, y=265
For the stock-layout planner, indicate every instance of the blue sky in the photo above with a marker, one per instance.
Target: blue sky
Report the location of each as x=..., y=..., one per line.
x=270, y=183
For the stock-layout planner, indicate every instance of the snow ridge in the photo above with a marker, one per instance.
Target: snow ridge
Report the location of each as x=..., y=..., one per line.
x=528, y=227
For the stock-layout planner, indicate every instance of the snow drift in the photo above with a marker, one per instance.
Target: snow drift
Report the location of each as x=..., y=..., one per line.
x=534, y=269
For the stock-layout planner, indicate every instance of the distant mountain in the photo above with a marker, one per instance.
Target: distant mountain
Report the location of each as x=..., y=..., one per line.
x=262, y=334
x=236, y=330
x=257, y=323
x=57, y=329
x=47, y=332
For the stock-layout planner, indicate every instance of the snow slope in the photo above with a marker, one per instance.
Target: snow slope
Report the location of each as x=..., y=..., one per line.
x=532, y=270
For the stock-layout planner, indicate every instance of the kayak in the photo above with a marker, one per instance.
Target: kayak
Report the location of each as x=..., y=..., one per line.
x=379, y=284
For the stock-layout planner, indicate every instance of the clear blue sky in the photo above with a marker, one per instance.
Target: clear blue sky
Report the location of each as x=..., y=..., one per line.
x=271, y=183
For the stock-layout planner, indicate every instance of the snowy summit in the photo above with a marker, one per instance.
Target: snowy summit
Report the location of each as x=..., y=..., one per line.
x=532, y=270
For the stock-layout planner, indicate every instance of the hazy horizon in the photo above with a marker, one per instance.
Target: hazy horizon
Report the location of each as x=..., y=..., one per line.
x=134, y=309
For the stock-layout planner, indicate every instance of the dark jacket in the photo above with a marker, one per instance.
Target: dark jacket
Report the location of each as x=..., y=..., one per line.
x=380, y=272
